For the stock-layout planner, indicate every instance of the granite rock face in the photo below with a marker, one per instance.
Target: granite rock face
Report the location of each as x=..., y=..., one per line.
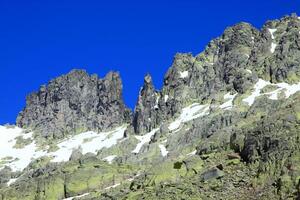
x=242, y=151
x=232, y=63
x=146, y=116
x=75, y=102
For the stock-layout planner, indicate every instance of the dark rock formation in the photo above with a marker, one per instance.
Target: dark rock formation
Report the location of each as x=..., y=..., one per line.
x=213, y=173
x=231, y=63
x=247, y=152
x=75, y=102
x=145, y=115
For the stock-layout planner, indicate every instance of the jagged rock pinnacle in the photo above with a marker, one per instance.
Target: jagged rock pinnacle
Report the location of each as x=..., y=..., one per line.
x=75, y=102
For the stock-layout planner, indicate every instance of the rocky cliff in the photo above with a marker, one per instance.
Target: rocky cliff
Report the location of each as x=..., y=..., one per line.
x=231, y=63
x=225, y=125
x=75, y=102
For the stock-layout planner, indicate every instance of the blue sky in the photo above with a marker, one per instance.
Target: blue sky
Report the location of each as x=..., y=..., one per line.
x=40, y=40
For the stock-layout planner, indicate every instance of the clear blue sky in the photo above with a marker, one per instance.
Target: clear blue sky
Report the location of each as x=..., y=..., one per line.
x=40, y=40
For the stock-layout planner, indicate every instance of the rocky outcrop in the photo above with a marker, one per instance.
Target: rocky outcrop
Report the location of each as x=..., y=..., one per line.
x=277, y=49
x=146, y=111
x=73, y=103
x=238, y=152
x=231, y=63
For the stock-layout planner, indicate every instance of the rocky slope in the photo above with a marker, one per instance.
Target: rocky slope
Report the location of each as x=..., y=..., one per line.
x=225, y=125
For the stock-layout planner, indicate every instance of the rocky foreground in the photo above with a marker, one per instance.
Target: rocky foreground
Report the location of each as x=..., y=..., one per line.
x=225, y=125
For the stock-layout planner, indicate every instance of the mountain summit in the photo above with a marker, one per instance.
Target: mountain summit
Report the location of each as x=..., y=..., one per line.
x=75, y=102
x=225, y=125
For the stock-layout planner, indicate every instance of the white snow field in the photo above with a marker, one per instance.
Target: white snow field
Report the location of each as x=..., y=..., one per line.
x=16, y=159
x=79, y=196
x=281, y=87
x=163, y=150
x=156, y=101
x=228, y=104
x=11, y=181
x=109, y=159
x=90, y=142
x=272, y=31
x=19, y=159
x=143, y=140
x=189, y=113
x=184, y=74
x=249, y=71
x=192, y=153
x=273, y=45
x=166, y=98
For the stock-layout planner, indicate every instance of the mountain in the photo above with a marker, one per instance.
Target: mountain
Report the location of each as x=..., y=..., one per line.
x=225, y=125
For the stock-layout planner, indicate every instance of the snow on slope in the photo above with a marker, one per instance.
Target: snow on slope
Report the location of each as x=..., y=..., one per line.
x=166, y=98
x=79, y=196
x=257, y=88
x=281, y=87
x=143, y=140
x=249, y=71
x=156, y=101
x=163, y=150
x=18, y=159
x=189, y=113
x=228, y=104
x=184, y=74
x=90, y=142
x=11, y=181
x=109, y=159
x=192, y=153
x=272, y=31
x=273, y=45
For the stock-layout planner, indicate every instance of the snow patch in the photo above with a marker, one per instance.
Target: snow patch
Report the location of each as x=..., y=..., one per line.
x=109, y=159
x=113, y=186
x=156, y=101
x=281, y=87
x=19, y=159
x=184, y=74
x=272, y=31
x=90, y=142
x=174, y=125
x=228, y=104
x=118, y=184
x=165, y=141
x=257, y=88
x=192, y=153
x=11, y=181
x=273, y=47
x=163, y=150
x=166, y=98
x=189, y=113
x=143, y=140
x=249, y=71
x=79, y=196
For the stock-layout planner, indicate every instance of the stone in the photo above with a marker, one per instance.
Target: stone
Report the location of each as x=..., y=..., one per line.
x=213, y=173
x=74, y=103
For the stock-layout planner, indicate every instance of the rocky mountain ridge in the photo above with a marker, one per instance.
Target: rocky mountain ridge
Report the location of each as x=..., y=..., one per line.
x=225, y=125
x=75, y=102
